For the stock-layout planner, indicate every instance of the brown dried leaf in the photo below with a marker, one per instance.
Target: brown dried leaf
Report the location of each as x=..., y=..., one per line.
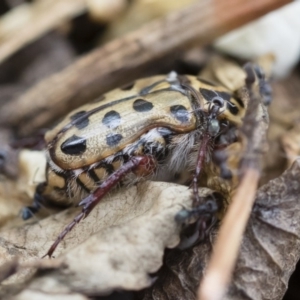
x=9, y=196
x=270, y=248
x=225, y=72
x=285, y=107
x=269, y=253
x=10, y=203
x=291, y=144
x=117, y=246
x=284, y=115
x=15, y=194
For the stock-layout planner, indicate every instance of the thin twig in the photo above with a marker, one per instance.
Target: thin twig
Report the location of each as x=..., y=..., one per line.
x=225, y=253
x=221, y=265
x=27, y=22
x=127, y=58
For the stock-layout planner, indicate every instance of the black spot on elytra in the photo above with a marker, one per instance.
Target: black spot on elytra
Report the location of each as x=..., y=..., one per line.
x=210, y=95
x=206, y=81
x=113, y=140
x=128, y=86
x=141, y=105
x=224, y=95
x=180, y=113
x=80, y=119
x=74, y=145
x=112, y=119
x=232, y=108
x=78, y=115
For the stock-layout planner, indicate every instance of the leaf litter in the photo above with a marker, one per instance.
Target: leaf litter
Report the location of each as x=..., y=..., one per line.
x=116, y=247
x=268, y=255
x=123, y=241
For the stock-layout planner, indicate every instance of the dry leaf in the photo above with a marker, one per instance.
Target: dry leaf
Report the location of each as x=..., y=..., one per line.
x=270, y=249
x=284, y=115
x=225, y=72
x=269, y=253
x=291, y=144
x=119, y=244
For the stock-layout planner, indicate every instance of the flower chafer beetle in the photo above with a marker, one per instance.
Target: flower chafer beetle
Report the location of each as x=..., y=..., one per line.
x=153, y=128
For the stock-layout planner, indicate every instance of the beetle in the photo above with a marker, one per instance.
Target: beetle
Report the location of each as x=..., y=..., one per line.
x=153, y=128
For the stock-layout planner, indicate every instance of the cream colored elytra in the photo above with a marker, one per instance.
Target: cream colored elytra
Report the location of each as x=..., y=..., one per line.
x=160, y=116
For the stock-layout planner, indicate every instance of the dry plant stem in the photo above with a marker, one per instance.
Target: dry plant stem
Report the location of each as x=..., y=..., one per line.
x=125, y=59
x=28, y=22
x=220, y=268
x=221, y=265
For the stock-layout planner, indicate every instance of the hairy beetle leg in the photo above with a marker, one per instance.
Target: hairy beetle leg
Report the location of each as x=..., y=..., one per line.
x=200, y=162
x=205, y=215
x=136, y=164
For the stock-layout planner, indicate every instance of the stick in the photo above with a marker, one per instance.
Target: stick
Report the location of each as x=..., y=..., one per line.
x=27, y=22
x=221, y=265
x=127, y=58
x=225, y=253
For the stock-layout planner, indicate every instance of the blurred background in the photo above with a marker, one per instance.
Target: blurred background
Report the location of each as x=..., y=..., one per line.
x=56, y=55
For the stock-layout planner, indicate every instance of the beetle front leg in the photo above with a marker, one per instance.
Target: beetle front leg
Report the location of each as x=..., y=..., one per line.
x=140, y=165
x=202, y=154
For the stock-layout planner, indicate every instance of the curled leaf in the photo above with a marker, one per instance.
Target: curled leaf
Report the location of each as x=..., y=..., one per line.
x=268, y=256
x=116, y=247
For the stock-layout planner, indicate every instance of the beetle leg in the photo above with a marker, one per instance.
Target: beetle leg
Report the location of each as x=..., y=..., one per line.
x=137, y=164
x=205, y=216
x=199, y=165
x=29, y=211
x=209, y=207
